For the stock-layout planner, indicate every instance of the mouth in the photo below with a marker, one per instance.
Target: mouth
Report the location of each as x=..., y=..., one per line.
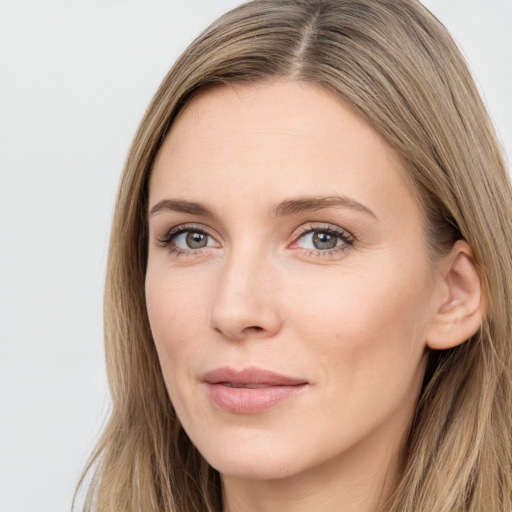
x=251, y=390
x=246, y=386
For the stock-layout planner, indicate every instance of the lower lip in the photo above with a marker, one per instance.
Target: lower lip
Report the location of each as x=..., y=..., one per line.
x=250, y=400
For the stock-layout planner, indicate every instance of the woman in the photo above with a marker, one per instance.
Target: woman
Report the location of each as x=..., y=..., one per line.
x=309, y=285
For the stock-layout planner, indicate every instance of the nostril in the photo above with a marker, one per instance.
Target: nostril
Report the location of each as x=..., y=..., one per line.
x=256, y=328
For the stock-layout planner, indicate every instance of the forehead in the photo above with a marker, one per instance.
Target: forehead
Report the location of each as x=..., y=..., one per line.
x=272, y=140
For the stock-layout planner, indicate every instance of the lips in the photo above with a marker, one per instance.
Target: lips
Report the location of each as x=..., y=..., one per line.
x=251, y=390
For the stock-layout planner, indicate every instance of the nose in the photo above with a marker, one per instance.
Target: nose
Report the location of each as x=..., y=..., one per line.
x=246, y=300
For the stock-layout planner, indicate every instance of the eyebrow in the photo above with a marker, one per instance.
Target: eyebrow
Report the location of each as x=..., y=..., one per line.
x=182, y=206
x=283, y=209
x=314, y=203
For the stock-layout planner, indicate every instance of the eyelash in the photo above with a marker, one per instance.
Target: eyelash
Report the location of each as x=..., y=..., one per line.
x=347, y=239
x=173, y=233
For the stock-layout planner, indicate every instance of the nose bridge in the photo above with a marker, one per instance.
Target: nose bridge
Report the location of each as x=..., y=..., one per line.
x=245, y=298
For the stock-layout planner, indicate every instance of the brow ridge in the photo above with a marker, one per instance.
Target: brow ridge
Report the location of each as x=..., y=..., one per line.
x=181, y=205
x=283, y=209
x=314, y=203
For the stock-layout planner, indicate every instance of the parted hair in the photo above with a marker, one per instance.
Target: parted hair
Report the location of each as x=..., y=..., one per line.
x=396, y=66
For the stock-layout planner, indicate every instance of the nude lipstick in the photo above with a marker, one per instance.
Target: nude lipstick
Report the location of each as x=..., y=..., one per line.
x=251, y=390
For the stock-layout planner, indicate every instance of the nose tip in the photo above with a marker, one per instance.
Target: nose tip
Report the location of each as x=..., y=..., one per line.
x=243, y=319
x=245, y=305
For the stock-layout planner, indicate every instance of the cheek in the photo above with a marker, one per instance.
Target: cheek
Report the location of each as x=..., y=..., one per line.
x=363, y=317
x=365, y=334
x=176, y=315
x=177, y=311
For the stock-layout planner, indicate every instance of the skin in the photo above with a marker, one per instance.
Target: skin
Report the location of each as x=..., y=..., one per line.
x=353, y=321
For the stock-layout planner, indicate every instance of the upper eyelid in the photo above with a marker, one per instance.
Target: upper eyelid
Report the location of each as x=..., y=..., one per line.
x=296, y=234
x=183, y=228
x=173, y=232
x=322, y=226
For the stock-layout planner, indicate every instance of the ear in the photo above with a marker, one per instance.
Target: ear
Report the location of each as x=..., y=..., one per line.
x=460, y=309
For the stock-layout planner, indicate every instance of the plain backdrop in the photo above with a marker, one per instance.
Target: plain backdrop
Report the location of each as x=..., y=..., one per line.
x=75, y=79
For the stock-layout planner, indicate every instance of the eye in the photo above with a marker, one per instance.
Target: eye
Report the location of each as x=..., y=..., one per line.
x=320, y=240
x=183, y=239
x=192, y=240
x=323, y=239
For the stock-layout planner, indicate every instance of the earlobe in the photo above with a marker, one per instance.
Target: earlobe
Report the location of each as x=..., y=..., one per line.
x=461, y=310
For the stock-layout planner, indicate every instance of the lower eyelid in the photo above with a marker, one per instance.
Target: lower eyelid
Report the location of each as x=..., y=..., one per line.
x=177, y=251
x=326, y=252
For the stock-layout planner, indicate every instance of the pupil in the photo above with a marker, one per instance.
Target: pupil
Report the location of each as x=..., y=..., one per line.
x=196, y=240
x=324, y=241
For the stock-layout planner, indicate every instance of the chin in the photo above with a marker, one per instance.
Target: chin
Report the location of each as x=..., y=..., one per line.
x=254, y=461
x=259, y=468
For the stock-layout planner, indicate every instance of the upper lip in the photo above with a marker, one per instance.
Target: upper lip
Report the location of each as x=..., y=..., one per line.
x=249, y=376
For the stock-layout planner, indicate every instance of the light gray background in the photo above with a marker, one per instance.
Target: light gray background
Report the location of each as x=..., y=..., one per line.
x=75, y=78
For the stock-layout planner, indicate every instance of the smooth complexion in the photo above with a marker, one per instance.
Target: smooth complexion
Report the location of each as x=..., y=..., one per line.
x=284, y=238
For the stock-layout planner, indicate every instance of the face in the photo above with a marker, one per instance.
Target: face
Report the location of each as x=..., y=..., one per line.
x=288, y=286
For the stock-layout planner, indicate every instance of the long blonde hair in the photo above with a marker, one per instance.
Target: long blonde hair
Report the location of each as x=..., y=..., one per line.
x=399, y=69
